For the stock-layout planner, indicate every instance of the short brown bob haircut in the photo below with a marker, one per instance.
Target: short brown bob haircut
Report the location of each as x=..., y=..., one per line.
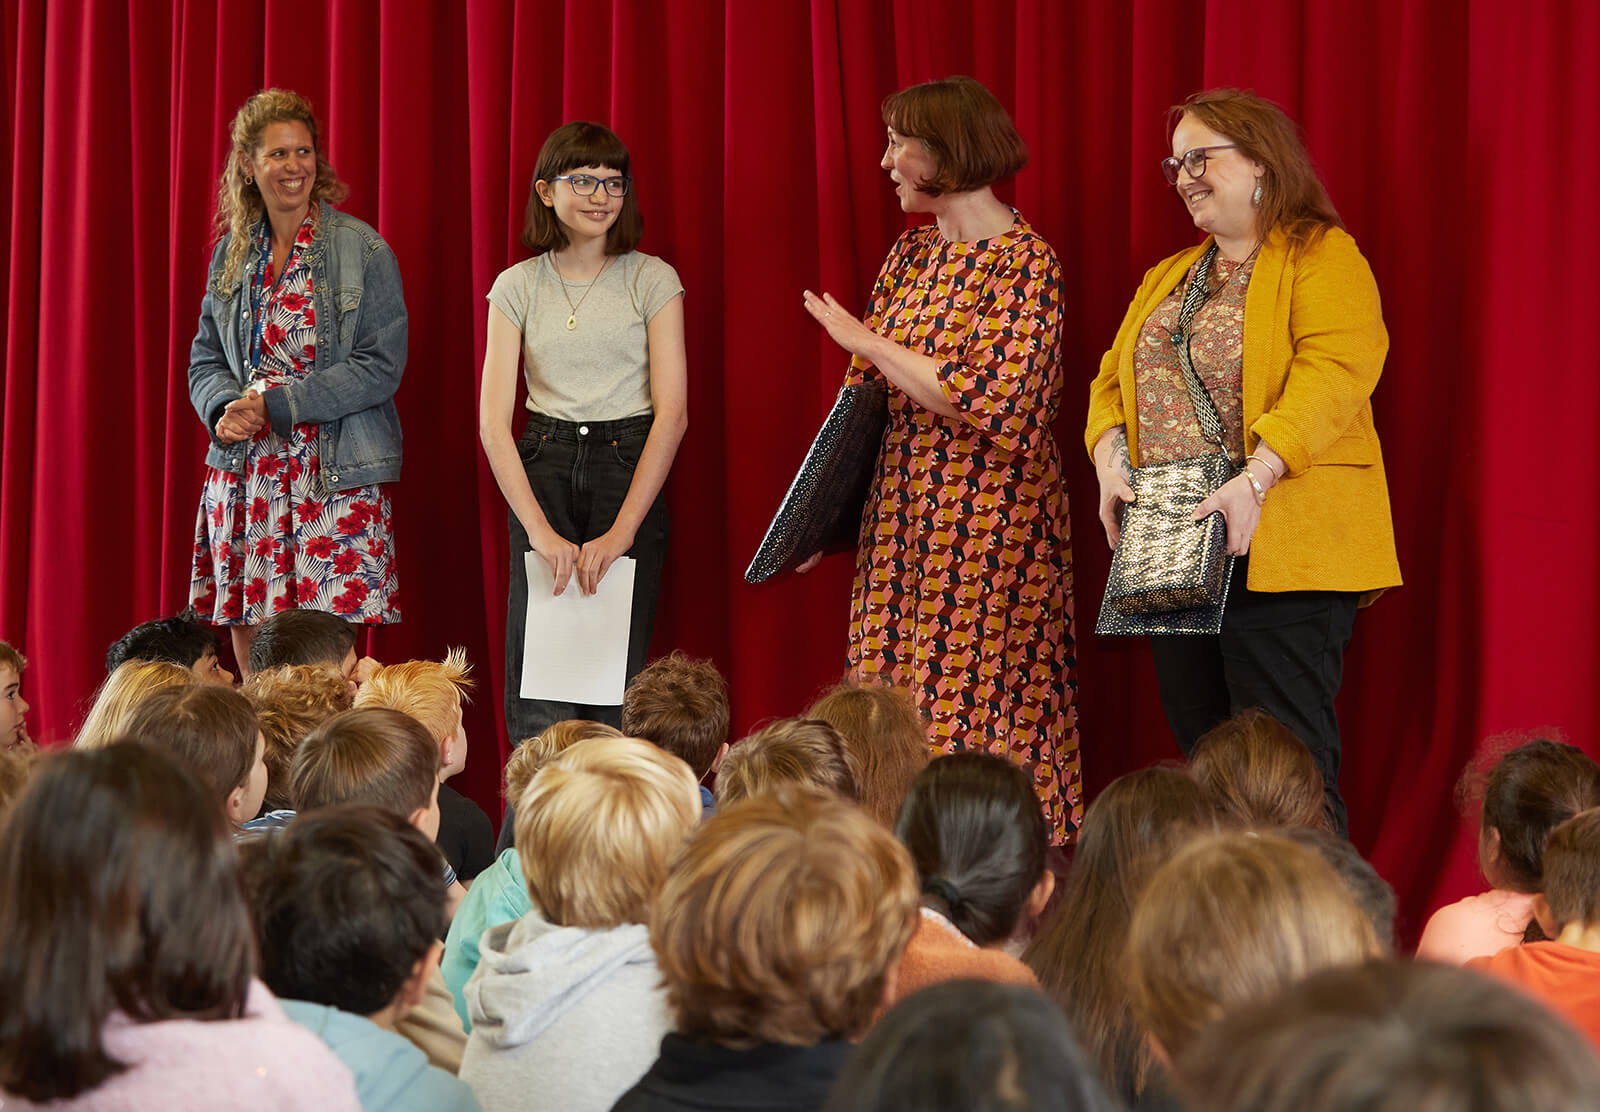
x=680, y=704
x=796, y=752
x=1572, y=870
x=291, y=700
x=211, y=729
x=1259, y=774
x=119, y=892
x=597, y=826
x=966, y=130
x=781, y=922
x=1232, y=919
x=375, y=756
x=1391, y=1036
x=570, y=146
x=885, y=733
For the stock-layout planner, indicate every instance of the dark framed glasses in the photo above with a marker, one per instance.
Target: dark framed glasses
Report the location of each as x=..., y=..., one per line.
x=584, y=185
x=1193, y=160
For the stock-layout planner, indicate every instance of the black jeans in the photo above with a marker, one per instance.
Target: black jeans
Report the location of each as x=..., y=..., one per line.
x=580, y=474
x=1282, y=652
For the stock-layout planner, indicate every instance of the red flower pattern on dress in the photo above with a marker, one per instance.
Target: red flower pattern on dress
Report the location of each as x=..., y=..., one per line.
x=270, y=538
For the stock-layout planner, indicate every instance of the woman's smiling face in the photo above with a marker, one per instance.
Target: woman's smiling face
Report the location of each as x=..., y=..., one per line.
x=1219, y=201
x=285, y=167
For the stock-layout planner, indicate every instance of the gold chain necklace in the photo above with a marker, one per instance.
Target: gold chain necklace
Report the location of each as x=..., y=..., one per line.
x=572, y=317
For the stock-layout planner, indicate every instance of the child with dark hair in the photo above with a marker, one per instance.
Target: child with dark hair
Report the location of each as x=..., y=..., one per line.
x=382, y=758
x=681, y=705
x=1565, y=971
x=126, y=956
x=182, y=639
x=978, y=837
x=214, y=732
x=1530, y=791
x=13, y=707
x=1390, y=1036
x=348, y=915
x=969, y=1046
x=308, y=637
x=1133, y=826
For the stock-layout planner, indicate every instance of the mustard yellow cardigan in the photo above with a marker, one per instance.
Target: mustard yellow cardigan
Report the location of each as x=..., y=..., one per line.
x=1314, y=345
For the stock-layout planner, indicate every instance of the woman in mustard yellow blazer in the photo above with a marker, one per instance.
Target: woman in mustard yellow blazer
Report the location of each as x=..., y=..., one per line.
x=1290, y=343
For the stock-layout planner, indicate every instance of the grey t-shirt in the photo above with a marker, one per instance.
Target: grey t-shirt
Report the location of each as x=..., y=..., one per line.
x=600, y=370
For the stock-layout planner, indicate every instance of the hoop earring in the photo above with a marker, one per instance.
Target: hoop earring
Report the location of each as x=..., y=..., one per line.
x=1255, y=198
x=248, y=180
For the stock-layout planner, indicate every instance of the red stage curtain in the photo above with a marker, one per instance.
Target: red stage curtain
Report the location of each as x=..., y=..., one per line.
x=1457, y=141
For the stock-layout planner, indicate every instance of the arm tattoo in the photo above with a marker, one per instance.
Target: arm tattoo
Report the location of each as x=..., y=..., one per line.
x=1119, y=455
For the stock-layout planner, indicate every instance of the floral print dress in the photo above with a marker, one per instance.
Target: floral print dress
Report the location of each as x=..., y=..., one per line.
x=272, y=538
x=963, y=586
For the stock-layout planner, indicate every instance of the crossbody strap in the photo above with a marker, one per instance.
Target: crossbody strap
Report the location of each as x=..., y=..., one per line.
x=1197, y=293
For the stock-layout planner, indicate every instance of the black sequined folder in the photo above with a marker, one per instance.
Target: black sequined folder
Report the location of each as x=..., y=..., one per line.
x=822, y=510
x=1170, y=573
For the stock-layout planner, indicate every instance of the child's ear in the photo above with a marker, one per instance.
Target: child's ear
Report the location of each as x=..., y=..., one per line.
x=1040, y=896
x=235, y=806
x=722, y=751
x=416, y=985
x=1541, y=914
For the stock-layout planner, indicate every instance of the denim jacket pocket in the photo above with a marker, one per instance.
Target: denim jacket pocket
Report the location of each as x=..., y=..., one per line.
x=347, y=300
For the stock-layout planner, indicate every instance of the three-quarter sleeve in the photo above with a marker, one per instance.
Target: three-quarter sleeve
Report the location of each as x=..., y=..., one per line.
x=1005, y=374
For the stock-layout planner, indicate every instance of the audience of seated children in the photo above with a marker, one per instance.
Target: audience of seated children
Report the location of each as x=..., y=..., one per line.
x=978, y=838
x=681, y=704
x=1564, y=972
x=120, y=695
x=1229, y=920
x=213, y=731
x=308, y=637
x=1373, y=895
x=348, y=914
x=1391, y=1036
x=1132, y=827
x=500, y=894
x=13, y=707
x=1258, y=774
x=777, y=932
x=566, y=1001
x=182, y=639
x=797, y=752
x=291, y=700
x=1531, y=790
x=969, y=1046
x=433, y=692
x=885, y=735
x=126, y=954
x=382, y=758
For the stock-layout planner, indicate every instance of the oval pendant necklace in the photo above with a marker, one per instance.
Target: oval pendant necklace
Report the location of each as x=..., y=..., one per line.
x=572, y=317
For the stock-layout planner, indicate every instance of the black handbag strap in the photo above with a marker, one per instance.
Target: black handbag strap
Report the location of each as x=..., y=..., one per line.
x=1196, y=294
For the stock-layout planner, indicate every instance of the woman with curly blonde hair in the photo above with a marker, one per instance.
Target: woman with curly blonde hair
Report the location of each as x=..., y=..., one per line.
x=300, y=348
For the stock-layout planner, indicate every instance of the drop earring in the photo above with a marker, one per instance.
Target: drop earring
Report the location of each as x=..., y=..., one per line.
x=1255, y=198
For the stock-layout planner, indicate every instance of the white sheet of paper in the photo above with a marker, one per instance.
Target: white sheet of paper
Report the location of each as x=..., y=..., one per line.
x=575, y=646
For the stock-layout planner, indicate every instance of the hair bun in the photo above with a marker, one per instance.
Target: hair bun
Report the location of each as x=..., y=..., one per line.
x=949, y=893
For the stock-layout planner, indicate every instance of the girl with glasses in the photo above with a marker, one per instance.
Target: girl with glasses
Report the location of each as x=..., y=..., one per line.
x=1289, y=342
x=599, y=328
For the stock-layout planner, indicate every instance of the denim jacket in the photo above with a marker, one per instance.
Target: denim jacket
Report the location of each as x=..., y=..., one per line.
x=361, y=354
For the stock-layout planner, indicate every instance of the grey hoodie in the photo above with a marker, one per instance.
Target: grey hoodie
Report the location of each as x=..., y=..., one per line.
x=562, y=1017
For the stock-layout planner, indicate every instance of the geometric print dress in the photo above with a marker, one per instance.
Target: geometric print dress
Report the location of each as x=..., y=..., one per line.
x=963, y=589
x=272, y=538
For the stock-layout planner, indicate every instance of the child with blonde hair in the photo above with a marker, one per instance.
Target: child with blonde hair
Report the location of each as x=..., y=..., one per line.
x=291, y=700
x=119, y=697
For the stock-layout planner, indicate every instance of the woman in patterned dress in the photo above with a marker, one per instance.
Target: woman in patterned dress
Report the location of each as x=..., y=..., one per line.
x=963, y=576
x=1289, y=343
x=301, y=345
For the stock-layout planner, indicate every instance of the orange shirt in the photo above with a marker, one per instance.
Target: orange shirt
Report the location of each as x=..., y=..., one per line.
x=939, y=952
x=1563, y=977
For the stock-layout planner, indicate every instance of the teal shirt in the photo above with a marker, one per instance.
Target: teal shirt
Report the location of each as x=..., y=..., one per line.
x=390, y=1073
x=498, y=895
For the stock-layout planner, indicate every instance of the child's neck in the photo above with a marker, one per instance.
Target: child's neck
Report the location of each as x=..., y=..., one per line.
x=1584, y=936
x=581, y=259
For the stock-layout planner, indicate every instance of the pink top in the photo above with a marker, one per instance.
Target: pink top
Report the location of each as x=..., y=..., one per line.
x=1476, y=927
x=262, y=1060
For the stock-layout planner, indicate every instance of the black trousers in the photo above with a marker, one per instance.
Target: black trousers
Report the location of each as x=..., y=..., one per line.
x=580, y=473
x=1282, y=652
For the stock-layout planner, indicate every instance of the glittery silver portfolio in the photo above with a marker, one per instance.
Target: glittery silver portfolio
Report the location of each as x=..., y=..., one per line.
x=822, y=510
x=1170, y=573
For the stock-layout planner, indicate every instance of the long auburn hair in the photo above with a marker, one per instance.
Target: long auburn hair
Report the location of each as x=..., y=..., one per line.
x=1293, y=199
x=239, y=204
x=1131, y=828
x=119, y=892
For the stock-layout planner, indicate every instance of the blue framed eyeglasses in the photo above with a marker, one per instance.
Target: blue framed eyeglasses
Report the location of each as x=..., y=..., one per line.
x=584, y=185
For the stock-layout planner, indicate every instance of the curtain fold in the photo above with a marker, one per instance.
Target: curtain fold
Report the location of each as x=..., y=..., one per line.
x=1456, y=141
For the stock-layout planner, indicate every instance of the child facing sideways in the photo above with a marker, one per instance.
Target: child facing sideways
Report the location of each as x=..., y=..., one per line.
x=182, y=639
x=13, y=707
x=213, y=731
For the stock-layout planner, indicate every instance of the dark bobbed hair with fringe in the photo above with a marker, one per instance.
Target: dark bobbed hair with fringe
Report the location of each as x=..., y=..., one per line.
x=580, y=143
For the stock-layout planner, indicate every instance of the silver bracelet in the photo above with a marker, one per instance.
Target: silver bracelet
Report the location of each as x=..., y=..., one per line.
x=1276, y=474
